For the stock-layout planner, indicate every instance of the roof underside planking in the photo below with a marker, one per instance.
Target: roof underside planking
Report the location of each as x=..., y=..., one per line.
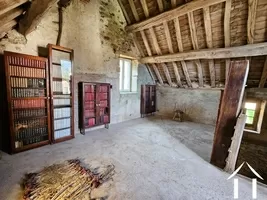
x=191, y=43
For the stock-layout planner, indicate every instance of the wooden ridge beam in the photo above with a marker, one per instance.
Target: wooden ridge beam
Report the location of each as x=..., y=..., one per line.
x=264, y=74
x=7, y=5
x=10, y=15
x=207, y=24
x=252, y=8
x=258, y=49
x=145, y=8
x=171, y=14
x=227, y=32
x=134, y=11
x=124, y=12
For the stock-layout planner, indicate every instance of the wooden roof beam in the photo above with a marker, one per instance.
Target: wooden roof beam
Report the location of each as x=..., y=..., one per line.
x=258, y=49
x=134, y=11
x=8, y=26
x=10, y=15
x=207, y=24
x=157, y=73
x=227, y=33
x=124, y=12
x=145, y=8
x=160, y=5
x=7, y=5
x=252, y=8
x=263, y=75
x=171, y=14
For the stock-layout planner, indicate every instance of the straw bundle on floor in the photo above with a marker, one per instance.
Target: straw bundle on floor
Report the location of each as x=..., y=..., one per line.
x=68, y=181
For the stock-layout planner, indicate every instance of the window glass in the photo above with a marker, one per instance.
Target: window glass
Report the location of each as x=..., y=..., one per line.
x=127, y=75
x=250, y=112
x=121, y=74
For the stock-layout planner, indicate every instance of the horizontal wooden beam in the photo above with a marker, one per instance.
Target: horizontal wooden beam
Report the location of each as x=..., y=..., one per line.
x=216, y=53
x=7, y=5
x=172, y=14
x=10, y=15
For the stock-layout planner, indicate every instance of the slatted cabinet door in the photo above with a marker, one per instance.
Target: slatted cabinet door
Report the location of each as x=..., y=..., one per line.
x=148, y=99
x=61, y=92
x=28, y=101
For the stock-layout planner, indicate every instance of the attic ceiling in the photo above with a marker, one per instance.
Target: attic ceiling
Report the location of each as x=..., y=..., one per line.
x=172, y=35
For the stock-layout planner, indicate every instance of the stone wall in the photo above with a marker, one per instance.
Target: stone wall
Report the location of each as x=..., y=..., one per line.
x=95, y=30
x=198, y=105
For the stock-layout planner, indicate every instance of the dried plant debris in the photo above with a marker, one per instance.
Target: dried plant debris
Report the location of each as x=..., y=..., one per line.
x=68, y=180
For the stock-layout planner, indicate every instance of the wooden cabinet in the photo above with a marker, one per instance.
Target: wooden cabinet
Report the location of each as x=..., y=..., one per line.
x=27, y=82
x=94, y=105
x=148, y=99
x=61, y=93
x=39, y=99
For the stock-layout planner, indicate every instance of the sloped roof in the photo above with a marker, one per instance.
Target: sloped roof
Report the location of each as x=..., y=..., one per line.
x=163, y=27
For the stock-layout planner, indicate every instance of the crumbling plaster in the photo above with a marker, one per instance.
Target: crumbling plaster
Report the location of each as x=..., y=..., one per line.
x=95, y=30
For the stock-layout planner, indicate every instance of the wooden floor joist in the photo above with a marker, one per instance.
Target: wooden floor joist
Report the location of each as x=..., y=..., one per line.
x=171, y=14
x=258, y=49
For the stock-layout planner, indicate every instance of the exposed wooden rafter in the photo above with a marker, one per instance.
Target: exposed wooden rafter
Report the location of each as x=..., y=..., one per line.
x=263, y=75
x=157, y=73
x=124, y=12
x=134, y=11
x=10, y=15
x=7, y=5
x=193, y=33
x=172, y=14
x=145, y=8
x=146, y=43
x=227, y=33
x=160, y=5
x=207, y=24
x=137, y=45
x=258, y=49
x=8, y=26
x=252, y=8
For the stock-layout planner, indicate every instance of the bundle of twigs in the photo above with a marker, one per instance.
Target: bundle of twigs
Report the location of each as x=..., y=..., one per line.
x=68, y=181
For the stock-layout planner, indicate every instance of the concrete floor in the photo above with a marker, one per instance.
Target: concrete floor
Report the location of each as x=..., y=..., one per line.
x=153, y=158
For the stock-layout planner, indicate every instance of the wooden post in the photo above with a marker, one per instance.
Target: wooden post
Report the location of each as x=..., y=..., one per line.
x=229, y=108
x=235, y=145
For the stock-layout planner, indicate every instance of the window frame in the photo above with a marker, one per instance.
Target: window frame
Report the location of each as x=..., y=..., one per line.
x=255, y=127
x=122, y=81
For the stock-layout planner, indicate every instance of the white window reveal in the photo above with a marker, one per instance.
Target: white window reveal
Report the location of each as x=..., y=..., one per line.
x=128, y=75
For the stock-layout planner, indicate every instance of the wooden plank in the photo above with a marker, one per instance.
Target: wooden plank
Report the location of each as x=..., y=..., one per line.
x=155, y=41
x=207, y=24
x=145, y=8
x=263, y=74
x=160, y=5
x=171, y=14
x=137, y=45
x=34, y=15
x=167, y=73
x=227, y=32
x=188, y=80
x=178, y=34
x=12, y=14
x=168, y=37
x=133, y=8
x=124, y=12
x=252, y=8
x=235, y=145
x=146, y=43
x=173, y=3
x=157, y=73
x=212, y=73
x=192, y=28
x=8, y=26
x=7, y=5
x=258, y=49
x=199, y=73
x=233, y=95
x=177, y=75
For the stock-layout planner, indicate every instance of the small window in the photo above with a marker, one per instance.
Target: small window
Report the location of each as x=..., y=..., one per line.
x=250, y=112
x=128, y=75
x=254, y=110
